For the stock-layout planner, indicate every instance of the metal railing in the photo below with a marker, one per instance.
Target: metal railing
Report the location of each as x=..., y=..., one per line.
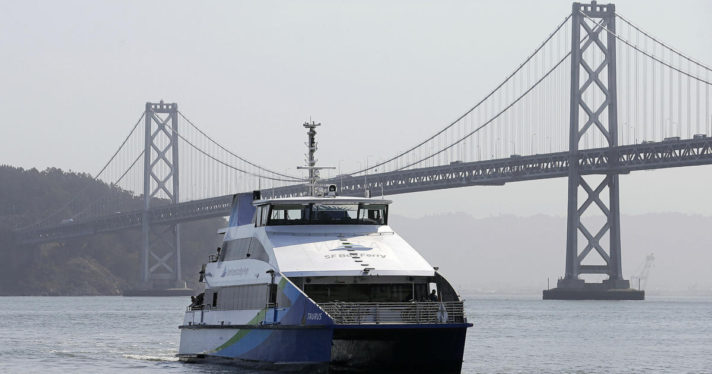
x=405, y=312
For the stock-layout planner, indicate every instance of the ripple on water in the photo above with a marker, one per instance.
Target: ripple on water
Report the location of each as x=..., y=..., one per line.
x=164, y=358
x=511, y=335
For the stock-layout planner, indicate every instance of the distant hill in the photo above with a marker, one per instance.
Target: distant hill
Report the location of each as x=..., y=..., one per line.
x=98, y=265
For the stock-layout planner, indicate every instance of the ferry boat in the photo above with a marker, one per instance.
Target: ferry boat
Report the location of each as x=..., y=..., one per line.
x=320, y=283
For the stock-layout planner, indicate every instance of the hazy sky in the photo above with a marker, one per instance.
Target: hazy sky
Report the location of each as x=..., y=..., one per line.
x=74, y=77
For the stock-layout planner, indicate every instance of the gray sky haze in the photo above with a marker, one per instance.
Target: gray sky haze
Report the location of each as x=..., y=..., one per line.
x=380, y=76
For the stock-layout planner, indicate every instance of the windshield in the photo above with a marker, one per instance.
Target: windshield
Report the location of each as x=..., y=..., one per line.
x=328, y=214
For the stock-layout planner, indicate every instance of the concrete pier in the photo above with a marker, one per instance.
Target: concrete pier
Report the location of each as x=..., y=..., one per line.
x=571, y=294
x=577, y=289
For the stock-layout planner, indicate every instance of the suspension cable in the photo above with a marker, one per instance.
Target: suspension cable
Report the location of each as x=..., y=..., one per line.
x=121, y=146
x=649, y=55
x=493, y=118
x=232, y=166
x=534, y=85
x=233, y=154
x=129, y=169
x=663, y=44
x=80, y=194
x=475, y=106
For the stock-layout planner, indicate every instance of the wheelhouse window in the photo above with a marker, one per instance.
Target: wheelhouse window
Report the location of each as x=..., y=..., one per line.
x=328, y=214
x=288, y=215
x=262, y=215
x=333, y=214
x=373, y=214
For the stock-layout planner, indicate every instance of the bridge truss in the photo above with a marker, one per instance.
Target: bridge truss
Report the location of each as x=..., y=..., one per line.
x=659, y=155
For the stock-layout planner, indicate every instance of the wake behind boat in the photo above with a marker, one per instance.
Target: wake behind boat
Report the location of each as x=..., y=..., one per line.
x=321, y=282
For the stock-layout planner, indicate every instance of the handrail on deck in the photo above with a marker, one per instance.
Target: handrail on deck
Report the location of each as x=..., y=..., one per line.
x=402, y=312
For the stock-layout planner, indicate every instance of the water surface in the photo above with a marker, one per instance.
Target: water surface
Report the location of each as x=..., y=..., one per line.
x=512, y=334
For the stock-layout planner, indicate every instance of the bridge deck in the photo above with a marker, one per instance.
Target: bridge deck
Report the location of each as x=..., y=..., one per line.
x=652, y=155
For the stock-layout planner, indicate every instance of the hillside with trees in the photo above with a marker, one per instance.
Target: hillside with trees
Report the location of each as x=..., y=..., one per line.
x=103, y=264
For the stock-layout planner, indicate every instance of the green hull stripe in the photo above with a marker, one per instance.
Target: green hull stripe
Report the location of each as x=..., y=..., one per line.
x=241, y=333
x=259, y=317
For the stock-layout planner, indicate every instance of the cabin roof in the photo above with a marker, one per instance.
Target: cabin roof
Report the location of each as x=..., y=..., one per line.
x=322, y=200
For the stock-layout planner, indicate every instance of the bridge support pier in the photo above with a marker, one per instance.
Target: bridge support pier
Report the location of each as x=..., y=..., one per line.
x=594, y=119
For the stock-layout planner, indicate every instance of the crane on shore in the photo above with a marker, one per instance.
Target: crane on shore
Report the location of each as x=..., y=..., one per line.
x=643, y=271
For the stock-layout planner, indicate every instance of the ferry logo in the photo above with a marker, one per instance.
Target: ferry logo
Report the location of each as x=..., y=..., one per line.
x=348, y=246
x=240, y=272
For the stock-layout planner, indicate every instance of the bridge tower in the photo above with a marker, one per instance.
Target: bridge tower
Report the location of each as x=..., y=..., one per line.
x=160, y=256
x=593, y=114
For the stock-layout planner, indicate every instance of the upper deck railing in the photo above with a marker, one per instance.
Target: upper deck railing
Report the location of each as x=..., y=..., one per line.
x=346, y=313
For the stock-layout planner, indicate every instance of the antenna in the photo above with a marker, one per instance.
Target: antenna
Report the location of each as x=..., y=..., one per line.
x=311, y=161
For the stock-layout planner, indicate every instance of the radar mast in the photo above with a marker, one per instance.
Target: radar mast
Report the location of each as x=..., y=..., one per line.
x=311, y=160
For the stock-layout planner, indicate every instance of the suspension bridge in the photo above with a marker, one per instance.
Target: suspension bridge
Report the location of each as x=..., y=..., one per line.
x=599, y=97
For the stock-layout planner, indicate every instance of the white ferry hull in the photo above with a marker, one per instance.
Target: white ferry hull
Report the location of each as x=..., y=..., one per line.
x=304, y=335
x=425, y=348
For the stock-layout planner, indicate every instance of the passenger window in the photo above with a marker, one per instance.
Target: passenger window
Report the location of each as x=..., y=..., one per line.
x=257, y=251
x=265, y=215
x=273, y=294
x=236, y=249
x=258, y=217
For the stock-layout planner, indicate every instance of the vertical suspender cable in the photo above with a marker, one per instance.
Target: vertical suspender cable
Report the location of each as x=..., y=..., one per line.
x=670, y=96
x=506, y=120
x=567, y=109
x=654, y=95
x=520, y=118
x=662, y=96
x=679, y=99
x=707, y=105
x=500, y=125
x=628, y=93
x=528, y=113
x=688, y=119
x=553, y=108
x=557, y=102
x=697, y=103
x=645, y=92
x=637, y=97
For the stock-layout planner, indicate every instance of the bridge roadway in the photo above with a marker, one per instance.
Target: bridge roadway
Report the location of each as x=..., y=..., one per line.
x=649, y=155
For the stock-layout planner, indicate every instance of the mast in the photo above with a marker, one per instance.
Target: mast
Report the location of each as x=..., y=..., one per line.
x=311, y=160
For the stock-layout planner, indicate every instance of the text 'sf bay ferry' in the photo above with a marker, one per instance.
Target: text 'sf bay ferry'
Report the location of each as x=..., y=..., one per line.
x=321, y=282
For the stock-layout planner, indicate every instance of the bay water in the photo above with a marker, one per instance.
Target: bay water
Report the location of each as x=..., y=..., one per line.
x=511, y=334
